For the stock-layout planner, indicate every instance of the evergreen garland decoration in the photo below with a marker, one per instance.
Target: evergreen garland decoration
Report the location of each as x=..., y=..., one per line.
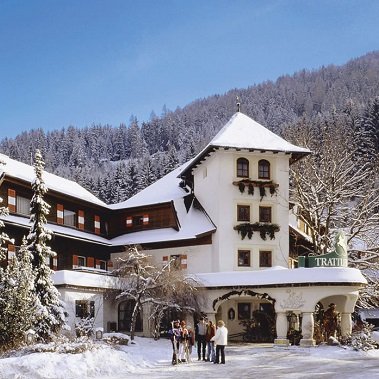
x=241, y=186
x=261, y=184
x=264, y=229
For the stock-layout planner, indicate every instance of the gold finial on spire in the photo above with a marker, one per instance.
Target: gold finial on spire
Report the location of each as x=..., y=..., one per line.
x=238, y=104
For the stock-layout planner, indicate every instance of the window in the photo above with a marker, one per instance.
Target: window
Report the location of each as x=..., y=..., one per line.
x=84, y=308
x=264, y=214
x=23, y=205
x=69, y=217
x=244, y=311
x=81, y=261
x=263, y=169
x=243, y=258
x=102, y=265
x=265, y=259
x=243, y=213
x=137, y=220
x=242, y=168
x=125, y=311
x=175, y=261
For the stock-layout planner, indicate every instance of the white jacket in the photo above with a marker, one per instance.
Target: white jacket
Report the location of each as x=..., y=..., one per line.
x=221, y=336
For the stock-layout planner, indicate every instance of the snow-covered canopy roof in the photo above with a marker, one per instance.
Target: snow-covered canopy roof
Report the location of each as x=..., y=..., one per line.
x=22, y=171
x=242, y=132
x=281, y=275
x=84, y=279
x=58, y=230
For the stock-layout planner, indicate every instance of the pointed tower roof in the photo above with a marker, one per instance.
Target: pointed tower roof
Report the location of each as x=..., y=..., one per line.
x=243, y=133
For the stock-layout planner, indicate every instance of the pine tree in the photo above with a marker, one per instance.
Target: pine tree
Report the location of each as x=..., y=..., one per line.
x=146, y=175
x=18, y=300
x=49, y=317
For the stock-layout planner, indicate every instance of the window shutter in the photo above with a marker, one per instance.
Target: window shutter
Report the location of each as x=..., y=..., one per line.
x=11, y=251
x=145, y=219
x=60, y=216
x=129, y=222
x=81, y=220
x=90, y=262
x=55, y=263
x=97, y=224
x=11, y=200
x=183, y=261
x=75, y=261
x=165, y=260
x=97, y=263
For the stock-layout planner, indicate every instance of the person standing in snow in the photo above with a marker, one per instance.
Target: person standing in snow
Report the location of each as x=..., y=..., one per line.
x=200, y=335
x=211, y=331
x=221, y=340
x=191, y=338
x=175, y=336
x=183, y=346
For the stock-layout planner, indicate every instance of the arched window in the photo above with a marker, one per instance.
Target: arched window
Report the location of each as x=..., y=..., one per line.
x=263, y=169
x=242, y=168
x=125, y=311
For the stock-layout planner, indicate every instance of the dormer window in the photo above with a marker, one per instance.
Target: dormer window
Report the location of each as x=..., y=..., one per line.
x=263, y=169
x=242, y=168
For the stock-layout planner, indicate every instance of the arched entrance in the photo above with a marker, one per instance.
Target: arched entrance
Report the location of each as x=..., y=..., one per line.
x=249, y=316
x=125, y=311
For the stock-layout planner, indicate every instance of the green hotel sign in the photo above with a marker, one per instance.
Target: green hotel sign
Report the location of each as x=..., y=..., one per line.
x=336, y=258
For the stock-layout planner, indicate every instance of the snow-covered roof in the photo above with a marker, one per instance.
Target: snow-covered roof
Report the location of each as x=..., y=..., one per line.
x=242, y=132
x=281, y=275
x=84, y=279
x=163, y=190
x=192, y=224
x=58, y=230
x=22, y=171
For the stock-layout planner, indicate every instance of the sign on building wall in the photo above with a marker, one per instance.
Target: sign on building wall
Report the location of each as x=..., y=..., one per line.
x=336, y=258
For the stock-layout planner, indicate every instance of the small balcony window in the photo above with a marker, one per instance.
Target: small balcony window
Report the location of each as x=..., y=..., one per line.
x=243, y=258
x=243, y=213
x=263, y=169
x=264, y=214
x=242, y=168
x=265, y=259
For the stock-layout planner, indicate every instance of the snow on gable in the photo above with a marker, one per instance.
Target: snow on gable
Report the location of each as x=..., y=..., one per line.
x=244, y=133
x=163, y=190
x=26, y=172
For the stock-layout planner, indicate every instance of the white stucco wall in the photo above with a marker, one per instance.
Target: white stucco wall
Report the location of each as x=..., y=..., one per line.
x=199, y=257
x=213, y=186
x=69, y=296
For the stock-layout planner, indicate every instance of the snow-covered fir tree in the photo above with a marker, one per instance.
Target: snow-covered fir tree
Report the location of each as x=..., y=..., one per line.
x=18, y=300
x=49, y=316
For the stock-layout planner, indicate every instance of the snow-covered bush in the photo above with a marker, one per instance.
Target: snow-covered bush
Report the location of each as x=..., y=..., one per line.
x=84, y=327
x=361, y=338
x=116, y=338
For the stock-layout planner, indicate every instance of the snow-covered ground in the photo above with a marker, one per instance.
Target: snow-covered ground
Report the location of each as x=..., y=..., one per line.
x=147, y=358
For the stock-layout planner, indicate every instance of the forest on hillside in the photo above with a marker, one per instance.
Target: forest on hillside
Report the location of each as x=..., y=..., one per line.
x=115, y=162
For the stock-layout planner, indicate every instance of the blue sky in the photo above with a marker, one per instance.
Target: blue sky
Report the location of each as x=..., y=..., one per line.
x=79, y=62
